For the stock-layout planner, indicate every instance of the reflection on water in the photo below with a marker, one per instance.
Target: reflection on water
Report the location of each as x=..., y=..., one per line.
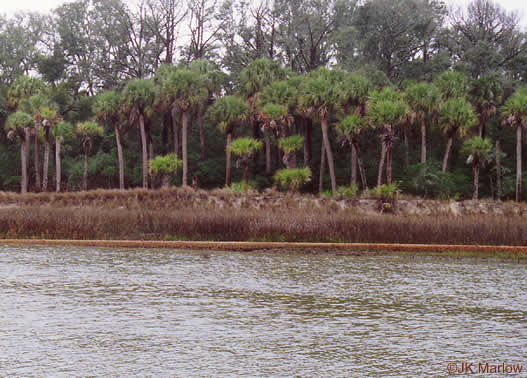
x=87, y=311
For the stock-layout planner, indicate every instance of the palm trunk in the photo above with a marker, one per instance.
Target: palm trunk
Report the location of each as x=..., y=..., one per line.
x=267, y=152
x=518, y=162
x=423, y=140
x=362, y=172
x=447, y=153
x=58, y=168
x=381, y=164
x=498, y=170
x=165, y=181
x=322, y=167
x=46, y=163
x=119, y=155
x=476, y=181
x=228, y=160
x=353, y=165
x=202, y=135
x=308, y=145
x=85, y=175
x=144, y=150
x=324, y=124
x=23, y=160
x=389, y=153
x=175, y=133
x=37, y=162
x=406, y=148
x=184, y=119
x=246, y=172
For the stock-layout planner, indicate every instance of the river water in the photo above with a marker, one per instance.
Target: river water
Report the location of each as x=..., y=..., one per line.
x=89, y=311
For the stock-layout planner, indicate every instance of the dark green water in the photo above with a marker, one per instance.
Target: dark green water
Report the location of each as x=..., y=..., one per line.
x=87, y=311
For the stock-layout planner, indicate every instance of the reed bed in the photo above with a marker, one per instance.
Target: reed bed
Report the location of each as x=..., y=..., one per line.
x=287, y=225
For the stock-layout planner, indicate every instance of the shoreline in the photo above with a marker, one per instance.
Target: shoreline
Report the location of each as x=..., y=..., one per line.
x=321, y=248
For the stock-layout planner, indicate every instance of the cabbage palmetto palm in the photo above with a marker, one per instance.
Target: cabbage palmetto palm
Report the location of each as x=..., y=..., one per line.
x=515, y=114
x=245, y=148
x=48, y=117
x=229, y=112
x=350, y=127
x=456, y=117
x=18, y=125
x=386, y=110
x=61, y=131
x=321, y=93
x=107, y=108
x=211, y=79
x=486, y=94
x=87, y=131
x=478, y=150
x=139, y=97
x=423, y=99
x=184, y=89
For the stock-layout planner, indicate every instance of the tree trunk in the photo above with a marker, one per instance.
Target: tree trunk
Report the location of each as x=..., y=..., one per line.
x=267, y=152
x=119, y=155
x=23, y=159
x=175, y=133
x=246, y=171
x=423, y=140
x=58, y=168
x=85, y=175
x=324, y=124
x=164, y=135
x=322, y=167
x=381, y=164
x=228, y=160
x=447, y=153
x=353, y=165
x=362, y=172
x=37, y=163
x=184, y=119
x=165, y=181
x=144, y=150
x=389, y=153
x=45, y=171
x=518, y=162
x=406, y=148
x=256, y=135
x=202, y=135
x=499, y=193
x=476, y=181
x=308, y=141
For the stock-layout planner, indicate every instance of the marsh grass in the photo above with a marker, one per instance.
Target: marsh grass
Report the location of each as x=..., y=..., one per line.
x=230, y=224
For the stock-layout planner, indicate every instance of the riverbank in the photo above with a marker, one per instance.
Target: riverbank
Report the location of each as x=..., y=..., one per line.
x=221, y=215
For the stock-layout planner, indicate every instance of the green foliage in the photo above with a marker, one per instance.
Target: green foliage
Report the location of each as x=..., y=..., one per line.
x=422, y=97
x=228, y=111
x=293, y=179
x=274, y=111
x=355, y=89
x=477, y=147
x=351, y=125
x=515, y=108
x=348, y=191
x=241, y=187
x=107, y=106
x=457, y=114
x=386, y=107
x=167, y=165
x=428, y=180
x=89, y=129
x=282, y=93
x=62, y=130
x=321, y=90
x=18, y=121
x=139, y=97
x=23, y=88
x=184, y=88
x=386, y=192
x=245, y=146
x=292, y=143
x=452, y=84
x=259, y=74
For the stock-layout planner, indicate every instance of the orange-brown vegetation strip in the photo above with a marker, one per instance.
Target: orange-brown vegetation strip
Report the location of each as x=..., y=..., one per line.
x=252, y=246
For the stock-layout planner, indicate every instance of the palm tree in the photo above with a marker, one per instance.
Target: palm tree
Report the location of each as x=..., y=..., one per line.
x=350, y=127
x=165, y=166
x=18, y=124
x=229, y=112
x=186, y=92
x=486, y=93
x=290, y=145
x=47, y=117
x=452, y=84
x=321, y=93
x=423, y=99
x=211, y=79
x=354, y=93
x=515, y=113
x=245, y=148
x=478, y=150
x=107, y=108
x=61, y=131
x=139, y=97
x=456, y=117
x=386, y=110
x=87, y=130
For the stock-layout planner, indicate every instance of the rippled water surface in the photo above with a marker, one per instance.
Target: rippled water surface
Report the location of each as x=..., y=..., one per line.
x=88, y=311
